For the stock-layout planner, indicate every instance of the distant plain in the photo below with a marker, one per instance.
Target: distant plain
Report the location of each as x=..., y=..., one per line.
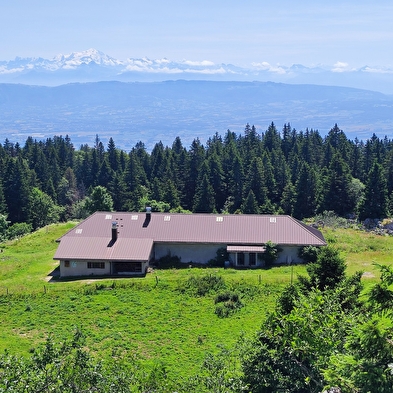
x=160, y=111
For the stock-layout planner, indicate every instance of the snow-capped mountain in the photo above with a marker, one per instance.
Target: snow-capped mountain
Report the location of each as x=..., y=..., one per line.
x=92, y=65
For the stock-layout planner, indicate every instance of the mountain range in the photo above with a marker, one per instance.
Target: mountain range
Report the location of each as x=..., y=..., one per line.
x=150, y=112
x=93, y=66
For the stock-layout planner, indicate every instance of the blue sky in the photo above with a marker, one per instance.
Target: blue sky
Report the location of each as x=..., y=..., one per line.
x=353, y=33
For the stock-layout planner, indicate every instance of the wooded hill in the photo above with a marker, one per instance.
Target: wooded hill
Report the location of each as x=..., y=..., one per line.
x=280, y=172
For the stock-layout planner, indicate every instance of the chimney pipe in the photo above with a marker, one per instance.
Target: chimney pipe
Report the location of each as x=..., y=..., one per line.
x=114, y=231
x=148, y=217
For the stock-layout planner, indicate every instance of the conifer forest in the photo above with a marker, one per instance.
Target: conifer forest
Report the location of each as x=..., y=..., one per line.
x=286, y=171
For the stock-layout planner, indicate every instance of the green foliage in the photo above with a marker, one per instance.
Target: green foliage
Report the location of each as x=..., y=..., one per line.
x=375, y=203
x=43, y=210
x=331, y=220
x=227, y=303
x=328, y=270
x=3, y=227
x=220, y=259
x=313, y=340
x=169, y=261
x=271, y=253
x=18, y=229
x=308, y=253
x=203, y=285
x=291, y=350
x=297, y=173
x=100, y=200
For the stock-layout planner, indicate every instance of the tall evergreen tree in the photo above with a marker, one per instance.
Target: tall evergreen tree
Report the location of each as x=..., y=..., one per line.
x=204, y=201
x=337, y=188
x=375, y=204
x=16, y=190
x=250, y=204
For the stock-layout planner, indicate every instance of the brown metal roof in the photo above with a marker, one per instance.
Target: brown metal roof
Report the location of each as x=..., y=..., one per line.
x=136, y=233
x=96, y=248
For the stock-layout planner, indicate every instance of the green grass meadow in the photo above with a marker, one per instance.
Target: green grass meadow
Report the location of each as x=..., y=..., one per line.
x=155, y=318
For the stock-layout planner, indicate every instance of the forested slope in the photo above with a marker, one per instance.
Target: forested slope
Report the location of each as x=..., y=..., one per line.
x=284, y=172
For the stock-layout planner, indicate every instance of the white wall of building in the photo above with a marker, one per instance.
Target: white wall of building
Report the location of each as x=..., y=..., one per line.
x=198, y=253
x=79, y=268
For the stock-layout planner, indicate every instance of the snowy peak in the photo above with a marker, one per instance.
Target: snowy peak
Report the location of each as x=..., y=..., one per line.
x=93, y=65
x=76, y=59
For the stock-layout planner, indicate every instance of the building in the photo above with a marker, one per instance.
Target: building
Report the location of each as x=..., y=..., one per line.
x=118, y=243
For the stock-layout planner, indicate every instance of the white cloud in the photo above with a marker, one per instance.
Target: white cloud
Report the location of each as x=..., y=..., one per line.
x=376, y=70
x=341, y=67
x=204, y=63
x=265, y=66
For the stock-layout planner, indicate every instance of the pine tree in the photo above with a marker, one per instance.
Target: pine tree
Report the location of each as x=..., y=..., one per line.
x=337, y=188
x=250, y=205
x=113, y=156
x=375, y=204
x=16, y=190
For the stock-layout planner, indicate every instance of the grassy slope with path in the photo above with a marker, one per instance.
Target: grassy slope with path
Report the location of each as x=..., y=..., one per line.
x=156, y=318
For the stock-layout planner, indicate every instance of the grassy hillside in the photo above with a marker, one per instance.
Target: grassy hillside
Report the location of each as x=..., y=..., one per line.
x=159, y=318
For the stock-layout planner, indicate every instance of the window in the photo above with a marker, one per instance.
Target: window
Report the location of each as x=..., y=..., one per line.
x=252, y=257
x=96, y=265
x=240, y=258
x=66, y=263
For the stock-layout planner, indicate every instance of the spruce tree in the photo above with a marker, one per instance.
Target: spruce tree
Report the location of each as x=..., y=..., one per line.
x=375, y=204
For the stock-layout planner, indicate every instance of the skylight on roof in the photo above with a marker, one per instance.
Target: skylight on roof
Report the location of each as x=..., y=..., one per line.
x=219, y=219
x=134, y=217
x=273, y=219
x=167, y=218
x=108, y=217
x=78, y=231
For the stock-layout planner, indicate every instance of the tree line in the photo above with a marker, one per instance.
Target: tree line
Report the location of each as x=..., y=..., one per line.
x=299, y=173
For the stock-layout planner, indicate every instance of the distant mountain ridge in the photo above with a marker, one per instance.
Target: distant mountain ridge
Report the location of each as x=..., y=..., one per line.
x=94, y=66
x=160, y=111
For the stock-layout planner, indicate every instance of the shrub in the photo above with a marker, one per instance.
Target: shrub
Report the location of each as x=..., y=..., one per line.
x=202, y=285
x=169, y=261
x=308, y=253
x=271, y=253
x=227, y=303
x=18, y=229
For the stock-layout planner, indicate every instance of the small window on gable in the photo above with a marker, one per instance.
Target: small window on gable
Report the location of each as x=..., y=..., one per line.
x=66, y=263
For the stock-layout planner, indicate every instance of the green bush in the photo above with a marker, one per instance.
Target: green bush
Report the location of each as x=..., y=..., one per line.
x=308, y=253
x=18, y=229
x=227, y=303
x=202, y=285
x=271, y=253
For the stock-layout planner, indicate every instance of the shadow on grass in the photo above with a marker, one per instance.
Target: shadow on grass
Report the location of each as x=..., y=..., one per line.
x=55, y=276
